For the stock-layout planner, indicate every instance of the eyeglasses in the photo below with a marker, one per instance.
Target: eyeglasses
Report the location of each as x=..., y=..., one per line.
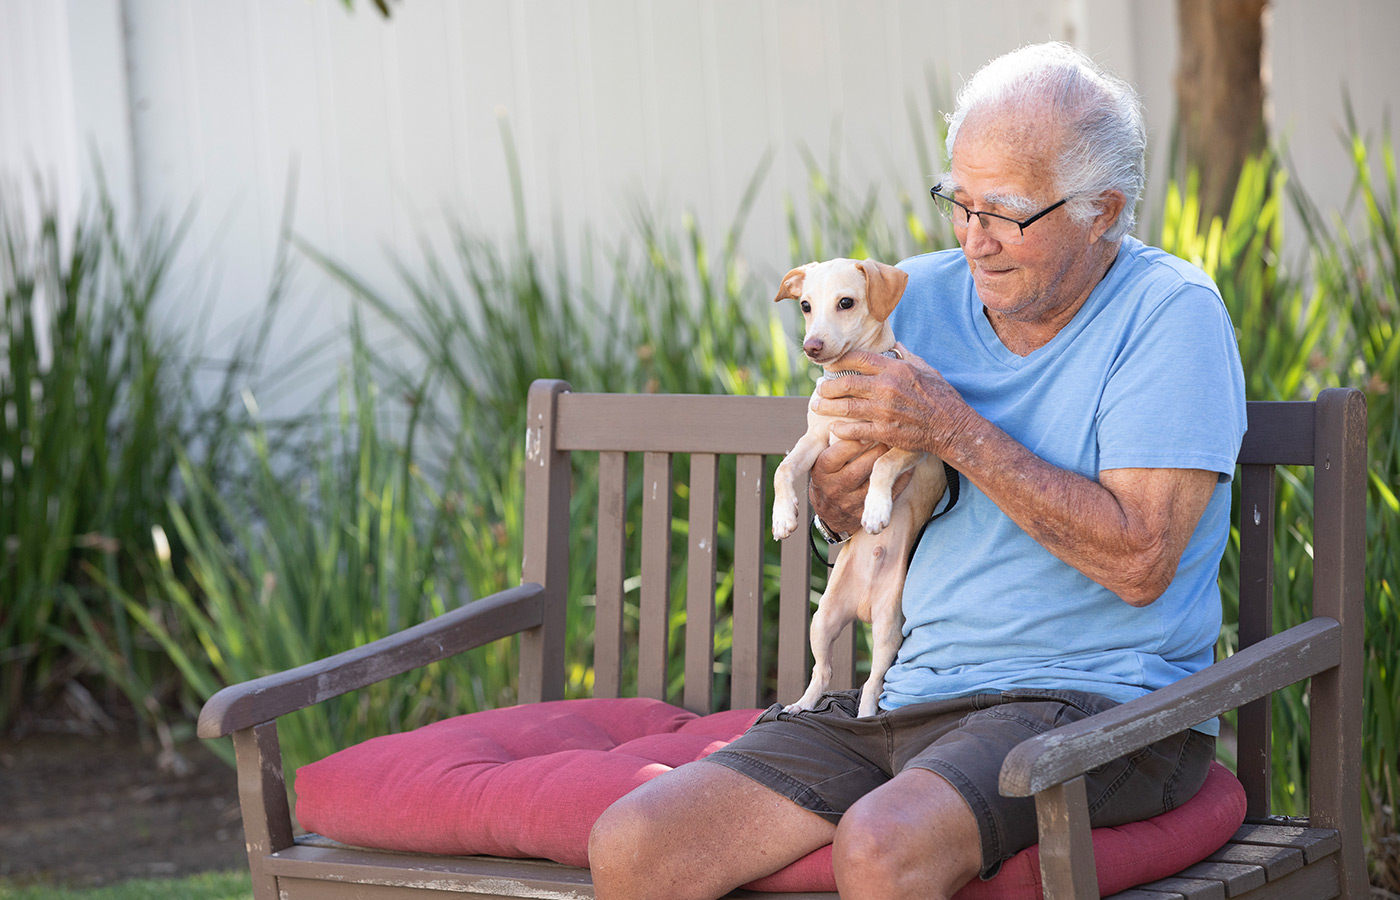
x=1002, y=229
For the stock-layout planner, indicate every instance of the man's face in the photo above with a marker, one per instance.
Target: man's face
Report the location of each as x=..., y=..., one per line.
x=1007, y=172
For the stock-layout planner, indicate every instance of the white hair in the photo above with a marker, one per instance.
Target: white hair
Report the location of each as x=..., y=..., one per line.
x=1104, y=140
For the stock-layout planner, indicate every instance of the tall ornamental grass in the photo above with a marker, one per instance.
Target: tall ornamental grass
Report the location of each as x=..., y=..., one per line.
x=294, y=564
x=93, y=401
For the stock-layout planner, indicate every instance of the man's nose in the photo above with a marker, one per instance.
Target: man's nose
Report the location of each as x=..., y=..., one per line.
x=976, y=240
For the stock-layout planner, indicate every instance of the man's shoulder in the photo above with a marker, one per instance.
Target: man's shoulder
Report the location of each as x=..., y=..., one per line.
x=935, y=263
x=1153, y=269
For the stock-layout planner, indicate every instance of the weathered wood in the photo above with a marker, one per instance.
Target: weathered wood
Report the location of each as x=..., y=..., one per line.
x=653, y=629
x=1280, y=433
x=612, y=560
x=700, y=584
x=1188, y=888
x=681, y=423
x=476, y=875
x=262, y=798
x=794, y=609
x=1071, y=750
x=545, y=559
x=1236, y=878
x=318, y=860
x=1339, y=566
x=1321, y=881
x=1255, y=720
x=244, y=705
x=746, y=617
x=1315, y=843
x=1275, y=861
x=1066, y=848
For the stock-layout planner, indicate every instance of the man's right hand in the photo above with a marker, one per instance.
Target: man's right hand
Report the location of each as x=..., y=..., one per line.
x=840, y=479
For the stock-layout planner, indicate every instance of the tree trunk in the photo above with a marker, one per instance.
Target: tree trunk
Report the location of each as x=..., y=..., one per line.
x=1220, y=93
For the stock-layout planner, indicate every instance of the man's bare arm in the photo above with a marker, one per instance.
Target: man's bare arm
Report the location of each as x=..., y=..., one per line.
x=1126, y=531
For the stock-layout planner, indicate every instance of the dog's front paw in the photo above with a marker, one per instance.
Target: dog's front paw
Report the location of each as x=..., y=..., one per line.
x=784, y=520
x=876, y=514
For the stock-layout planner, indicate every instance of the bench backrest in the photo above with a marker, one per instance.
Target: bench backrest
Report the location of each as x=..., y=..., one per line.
x=732, y=445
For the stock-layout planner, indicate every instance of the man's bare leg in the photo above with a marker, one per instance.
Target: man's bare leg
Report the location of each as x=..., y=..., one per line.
x=915, y=836
x=698, y=831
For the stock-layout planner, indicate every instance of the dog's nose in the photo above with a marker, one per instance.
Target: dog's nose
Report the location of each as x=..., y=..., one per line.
x=813, y=346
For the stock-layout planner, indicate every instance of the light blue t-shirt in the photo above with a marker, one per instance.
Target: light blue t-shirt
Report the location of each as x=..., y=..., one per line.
x=1147, y=374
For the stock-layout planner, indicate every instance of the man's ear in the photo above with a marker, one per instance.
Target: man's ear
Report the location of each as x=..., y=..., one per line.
x=884, y=285
x=791, y=288
x=1111, y=207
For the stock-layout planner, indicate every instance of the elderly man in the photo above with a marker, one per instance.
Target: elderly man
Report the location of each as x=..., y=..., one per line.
x=1089, y=391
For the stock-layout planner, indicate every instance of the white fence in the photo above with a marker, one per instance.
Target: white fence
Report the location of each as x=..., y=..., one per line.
x=393, y=127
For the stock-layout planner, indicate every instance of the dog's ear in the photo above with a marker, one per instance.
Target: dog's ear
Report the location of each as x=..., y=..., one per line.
x=791, y=288
x=884, y=285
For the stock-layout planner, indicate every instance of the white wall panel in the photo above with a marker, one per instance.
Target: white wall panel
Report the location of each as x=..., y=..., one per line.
x=393, y=128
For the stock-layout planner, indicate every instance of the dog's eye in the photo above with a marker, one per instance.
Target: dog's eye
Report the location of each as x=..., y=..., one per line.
x=845, y=303
x=806, y=307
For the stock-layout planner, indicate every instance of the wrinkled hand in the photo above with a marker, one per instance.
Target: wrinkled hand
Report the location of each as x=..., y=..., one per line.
x=896, y=402
x=840, y=479
x=892, y=403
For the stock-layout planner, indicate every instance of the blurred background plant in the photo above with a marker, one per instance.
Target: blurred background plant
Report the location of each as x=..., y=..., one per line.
x=157, y=546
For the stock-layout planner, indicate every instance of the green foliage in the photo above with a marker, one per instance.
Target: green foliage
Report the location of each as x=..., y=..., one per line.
x=92, y=401
x=289, y=567
x=204, y=886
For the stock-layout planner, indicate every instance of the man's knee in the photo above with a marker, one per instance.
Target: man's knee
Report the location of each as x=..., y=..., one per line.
x=913, y=837
x=618, y=837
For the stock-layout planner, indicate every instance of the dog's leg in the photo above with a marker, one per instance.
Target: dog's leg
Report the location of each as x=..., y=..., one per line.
x=879, y=501
x=827, y=623
x=839, y=606
x=885, y=636
x=790, y=479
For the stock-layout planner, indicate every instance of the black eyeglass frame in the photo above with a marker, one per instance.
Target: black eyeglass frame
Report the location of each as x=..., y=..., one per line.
x=1022, y=225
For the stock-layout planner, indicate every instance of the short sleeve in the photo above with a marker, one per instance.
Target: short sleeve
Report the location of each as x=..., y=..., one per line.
x=1175, y=396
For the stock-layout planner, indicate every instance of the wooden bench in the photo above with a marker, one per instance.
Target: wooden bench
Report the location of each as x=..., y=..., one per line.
x=1318, y=858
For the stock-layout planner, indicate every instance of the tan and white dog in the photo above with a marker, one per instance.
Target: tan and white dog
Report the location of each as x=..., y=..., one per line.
x=846, y=304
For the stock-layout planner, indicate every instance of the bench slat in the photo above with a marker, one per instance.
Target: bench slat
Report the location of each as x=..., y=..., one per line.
x=318, y=857
x=612, y=561
x=746, y=654
x=700, y=583
x=794, y=607
x=1236, y=878
x=1275, y=861
x=1315, y=843
x=679, y=423
x=1256, y=523
x=653, y=629
x=1189, y=888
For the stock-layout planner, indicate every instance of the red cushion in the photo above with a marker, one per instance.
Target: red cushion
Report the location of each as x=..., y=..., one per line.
x=529, y=781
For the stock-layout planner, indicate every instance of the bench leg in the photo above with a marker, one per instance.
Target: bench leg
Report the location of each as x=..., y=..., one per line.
x=1066, y=849
x=262, y=796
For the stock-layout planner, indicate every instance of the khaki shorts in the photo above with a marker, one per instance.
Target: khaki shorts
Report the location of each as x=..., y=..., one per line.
x=826, y=759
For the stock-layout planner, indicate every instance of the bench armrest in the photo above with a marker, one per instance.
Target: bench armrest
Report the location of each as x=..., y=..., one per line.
x=1256, y=671
x=250, y=703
